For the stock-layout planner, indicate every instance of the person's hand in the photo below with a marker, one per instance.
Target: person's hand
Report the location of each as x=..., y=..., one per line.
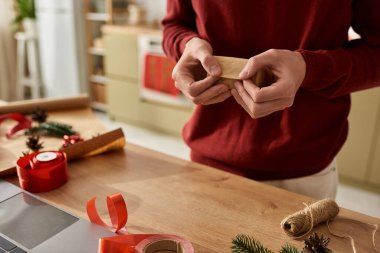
x=289, y=67
x=197, y=72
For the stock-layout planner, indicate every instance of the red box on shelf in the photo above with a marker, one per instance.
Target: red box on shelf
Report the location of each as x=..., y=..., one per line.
x=157, y=74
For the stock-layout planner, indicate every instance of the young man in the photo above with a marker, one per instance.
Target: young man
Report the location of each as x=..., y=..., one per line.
x=288, y=133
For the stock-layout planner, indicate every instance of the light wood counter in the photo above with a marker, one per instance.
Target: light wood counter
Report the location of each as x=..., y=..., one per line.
x=207, y=206
x=204, y=205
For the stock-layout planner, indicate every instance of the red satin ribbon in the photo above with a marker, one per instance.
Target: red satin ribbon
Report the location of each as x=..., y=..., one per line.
x=23, y=123
x=125, y=243
x=42, y=171
x=116, y=208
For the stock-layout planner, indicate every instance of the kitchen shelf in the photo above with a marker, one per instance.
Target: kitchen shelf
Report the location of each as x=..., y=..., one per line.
x=98, y=13
x=96, y=51
x=93, y=16
x=99, y=106
x=98, y=79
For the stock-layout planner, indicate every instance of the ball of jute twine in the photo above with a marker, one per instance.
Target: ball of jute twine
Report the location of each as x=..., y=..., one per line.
x=302, y=222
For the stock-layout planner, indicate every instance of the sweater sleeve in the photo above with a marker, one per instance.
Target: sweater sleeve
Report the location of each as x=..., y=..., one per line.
x=355, y=66
x=179, y=27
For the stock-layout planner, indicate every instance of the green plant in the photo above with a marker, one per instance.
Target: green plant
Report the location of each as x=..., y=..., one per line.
x=24, y=9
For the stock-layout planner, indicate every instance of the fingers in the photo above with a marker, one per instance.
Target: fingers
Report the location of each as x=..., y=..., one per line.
x=190, y=77
x=203, y=91
x=265, y=59
x=182, y=80
x=275, y=91
x=219, y=98
x=258, y=109
x=201, y=50
x=240, y=101
x=289, y=69
x=216, y=93
x=209, y=63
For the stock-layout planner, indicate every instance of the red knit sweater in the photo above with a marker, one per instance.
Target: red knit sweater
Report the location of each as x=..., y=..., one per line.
x=304, y=138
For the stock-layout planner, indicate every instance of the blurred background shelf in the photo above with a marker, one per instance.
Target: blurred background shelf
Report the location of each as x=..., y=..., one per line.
x=96, y=51
x=97, y=16
x=97, y=13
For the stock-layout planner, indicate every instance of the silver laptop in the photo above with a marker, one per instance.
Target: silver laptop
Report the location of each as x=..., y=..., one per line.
x=28, y=224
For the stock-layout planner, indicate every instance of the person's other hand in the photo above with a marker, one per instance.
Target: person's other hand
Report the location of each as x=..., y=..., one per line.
x=197, y=72
x=289, y=67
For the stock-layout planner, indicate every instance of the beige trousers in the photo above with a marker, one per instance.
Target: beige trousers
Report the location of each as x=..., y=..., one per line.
x=321, y=185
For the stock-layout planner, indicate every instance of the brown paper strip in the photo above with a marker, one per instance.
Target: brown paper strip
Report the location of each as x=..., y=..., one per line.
x=231, y=68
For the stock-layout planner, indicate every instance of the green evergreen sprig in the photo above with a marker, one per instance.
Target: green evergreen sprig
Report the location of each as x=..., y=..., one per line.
x=245, y=244
x=53, y=129
x=314, y=244
x=288, y=248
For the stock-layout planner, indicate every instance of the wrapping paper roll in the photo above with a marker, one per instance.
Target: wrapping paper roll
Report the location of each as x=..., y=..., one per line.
x=48, y=104
x=42, y=171
x=99, y=144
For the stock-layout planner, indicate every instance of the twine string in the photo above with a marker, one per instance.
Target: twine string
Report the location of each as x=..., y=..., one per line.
x=301, y=223
x=352, y=241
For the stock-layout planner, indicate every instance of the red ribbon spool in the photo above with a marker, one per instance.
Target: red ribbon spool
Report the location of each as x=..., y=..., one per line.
x=42, y=171
x=127, y=243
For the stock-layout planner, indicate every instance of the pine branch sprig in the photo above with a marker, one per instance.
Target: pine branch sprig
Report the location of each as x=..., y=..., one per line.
x=288, y=248
x=245, y=244
x=314, y=244
x=54, y=129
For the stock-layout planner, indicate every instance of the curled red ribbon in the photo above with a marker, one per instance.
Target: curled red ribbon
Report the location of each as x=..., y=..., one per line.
x=42, y=171
x=117, y=210
x=127, y=243
x=23, y=123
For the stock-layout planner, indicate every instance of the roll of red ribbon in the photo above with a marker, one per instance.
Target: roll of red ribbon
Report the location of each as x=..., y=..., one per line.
x=164, y=243
x=127, y=243
x=42, y=171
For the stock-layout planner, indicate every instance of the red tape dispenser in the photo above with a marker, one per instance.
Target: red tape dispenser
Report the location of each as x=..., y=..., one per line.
x=42, y=171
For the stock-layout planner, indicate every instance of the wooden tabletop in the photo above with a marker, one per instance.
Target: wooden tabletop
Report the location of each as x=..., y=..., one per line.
x=169, y=195
x=204, y=205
